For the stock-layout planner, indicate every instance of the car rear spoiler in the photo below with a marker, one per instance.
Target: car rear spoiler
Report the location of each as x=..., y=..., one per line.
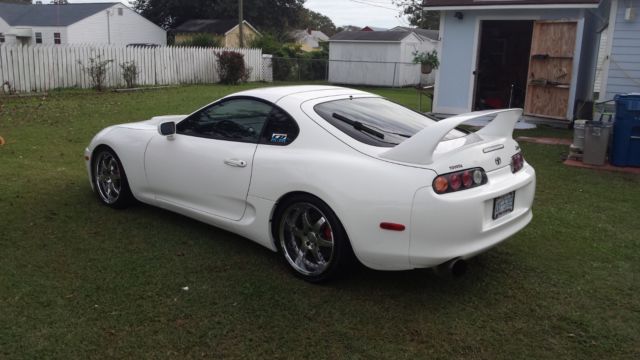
x=420, y=148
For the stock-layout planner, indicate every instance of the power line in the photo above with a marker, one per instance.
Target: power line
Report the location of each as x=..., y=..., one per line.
x=363, y=2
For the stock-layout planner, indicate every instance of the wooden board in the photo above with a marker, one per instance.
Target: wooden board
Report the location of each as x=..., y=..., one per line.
x=547, y=101
x=554, y=38
x=552, y=50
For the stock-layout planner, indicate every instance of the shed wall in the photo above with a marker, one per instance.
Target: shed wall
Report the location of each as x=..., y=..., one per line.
x=363, y=63
x=454, y=87
x=378, y=63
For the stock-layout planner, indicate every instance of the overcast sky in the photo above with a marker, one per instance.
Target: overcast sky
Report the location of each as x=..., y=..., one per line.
x=380, y=13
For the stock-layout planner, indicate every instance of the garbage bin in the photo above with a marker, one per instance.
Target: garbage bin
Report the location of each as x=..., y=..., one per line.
x=578, y=134
x=625, y=148
x=596, y=142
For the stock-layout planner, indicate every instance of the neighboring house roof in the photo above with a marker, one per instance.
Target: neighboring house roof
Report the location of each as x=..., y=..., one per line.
x=49, y=15
x=310, y=37
x=210, y=26
x=391, y=36
x=429, y=34
x=507, y=3
x=373, y=28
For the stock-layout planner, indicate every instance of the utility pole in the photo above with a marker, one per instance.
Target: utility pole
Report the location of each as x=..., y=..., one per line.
x=240, y=24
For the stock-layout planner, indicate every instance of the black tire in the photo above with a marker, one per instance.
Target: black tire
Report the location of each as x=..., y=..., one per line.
x=314, y=249
x=110, y=180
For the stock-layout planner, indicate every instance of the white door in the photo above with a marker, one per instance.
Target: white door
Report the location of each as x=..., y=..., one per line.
x=207, y=165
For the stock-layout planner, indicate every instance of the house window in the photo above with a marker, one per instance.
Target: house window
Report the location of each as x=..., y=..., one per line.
x=38, y=38
x=1, y=38
x=120, y=11
x=56, y=38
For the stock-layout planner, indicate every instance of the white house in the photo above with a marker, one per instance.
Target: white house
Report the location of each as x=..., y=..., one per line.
x=91, y=23
x=309, y=40
x=378, y=58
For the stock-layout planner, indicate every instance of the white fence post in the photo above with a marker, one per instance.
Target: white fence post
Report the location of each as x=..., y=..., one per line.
x=44, y=67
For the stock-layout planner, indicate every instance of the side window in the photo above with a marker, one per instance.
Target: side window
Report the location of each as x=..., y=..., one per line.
x=233, y=120
x=280, y=130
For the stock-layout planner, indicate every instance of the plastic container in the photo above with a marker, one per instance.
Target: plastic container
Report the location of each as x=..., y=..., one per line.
x=596, y=142
x=625, y=147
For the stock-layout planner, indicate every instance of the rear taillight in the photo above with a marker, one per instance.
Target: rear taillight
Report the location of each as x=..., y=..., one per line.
x=517, y=162
x=459, y=180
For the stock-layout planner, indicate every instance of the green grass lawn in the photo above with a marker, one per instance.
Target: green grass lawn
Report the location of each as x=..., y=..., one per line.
x=80, y=280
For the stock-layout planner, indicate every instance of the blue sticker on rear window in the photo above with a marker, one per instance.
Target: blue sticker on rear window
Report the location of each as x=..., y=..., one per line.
x=278, y=138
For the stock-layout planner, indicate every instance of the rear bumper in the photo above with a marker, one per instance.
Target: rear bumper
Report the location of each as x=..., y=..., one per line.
x=460, y=224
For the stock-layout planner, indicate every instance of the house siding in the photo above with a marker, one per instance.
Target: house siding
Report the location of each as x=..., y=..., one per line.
x=3, y=26
x=124, y=29
x=232, y=39
x=454, y=89
x=47, y=34
x=624, y=61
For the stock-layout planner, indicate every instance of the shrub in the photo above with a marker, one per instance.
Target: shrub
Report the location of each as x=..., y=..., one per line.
x=201, y=40
x=97, y=71
x=129, y=73
x=231, y=67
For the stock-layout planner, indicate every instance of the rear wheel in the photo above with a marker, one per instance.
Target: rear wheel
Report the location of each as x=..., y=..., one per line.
x=110, y=180
x=311, y=238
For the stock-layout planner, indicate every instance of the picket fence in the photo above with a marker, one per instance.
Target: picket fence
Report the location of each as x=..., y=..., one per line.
x=38, y=68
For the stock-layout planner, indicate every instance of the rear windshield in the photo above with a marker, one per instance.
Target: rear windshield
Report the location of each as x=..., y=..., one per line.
x=376, y=121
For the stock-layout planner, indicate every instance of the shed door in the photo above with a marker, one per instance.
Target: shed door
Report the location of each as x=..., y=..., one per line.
x=550, y=69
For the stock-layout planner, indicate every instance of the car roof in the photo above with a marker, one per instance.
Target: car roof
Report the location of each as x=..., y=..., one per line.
x=303, y=92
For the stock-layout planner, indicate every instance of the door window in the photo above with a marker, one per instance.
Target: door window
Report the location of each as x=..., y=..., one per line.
x=232, y=120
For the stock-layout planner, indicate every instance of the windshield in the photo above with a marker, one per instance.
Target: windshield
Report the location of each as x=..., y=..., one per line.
x=366, y=119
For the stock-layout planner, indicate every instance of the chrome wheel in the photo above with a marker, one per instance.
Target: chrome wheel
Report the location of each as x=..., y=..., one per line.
x=306, y=238
x=108, y=177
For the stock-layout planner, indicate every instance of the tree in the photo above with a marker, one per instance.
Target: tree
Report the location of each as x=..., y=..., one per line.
x=417, y=16
x=316, y=21
x=267, y=15
x=59, y=2
x=16, y=1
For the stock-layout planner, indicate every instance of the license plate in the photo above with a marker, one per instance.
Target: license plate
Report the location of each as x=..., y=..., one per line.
x=503, y=205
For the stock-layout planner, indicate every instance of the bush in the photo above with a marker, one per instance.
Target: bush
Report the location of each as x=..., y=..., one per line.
x=97, y=71
x=201, y=40
x=231, y=67
x=129, y=73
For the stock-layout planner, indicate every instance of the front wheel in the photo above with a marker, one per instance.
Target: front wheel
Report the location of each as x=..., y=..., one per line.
x=311, y=239
x=110, y=180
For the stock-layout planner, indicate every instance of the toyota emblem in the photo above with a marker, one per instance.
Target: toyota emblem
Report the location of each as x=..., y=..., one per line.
x=498, y=161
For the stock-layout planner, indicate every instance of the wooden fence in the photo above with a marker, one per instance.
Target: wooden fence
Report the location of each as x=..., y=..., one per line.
x=44, y=67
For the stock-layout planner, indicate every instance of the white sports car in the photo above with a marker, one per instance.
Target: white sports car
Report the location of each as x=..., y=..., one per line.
x=323, y=173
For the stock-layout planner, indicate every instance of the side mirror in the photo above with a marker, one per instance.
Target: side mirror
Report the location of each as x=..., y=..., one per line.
x=167, y=128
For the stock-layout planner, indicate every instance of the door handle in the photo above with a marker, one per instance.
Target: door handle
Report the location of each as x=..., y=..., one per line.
x=235, y=163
